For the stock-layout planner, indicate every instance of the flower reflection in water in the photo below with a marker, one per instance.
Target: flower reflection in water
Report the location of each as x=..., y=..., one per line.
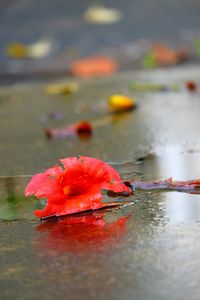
x=82, y=233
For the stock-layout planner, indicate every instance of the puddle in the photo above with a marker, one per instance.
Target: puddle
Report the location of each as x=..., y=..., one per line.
x=158, y=205
x=96, y=231
x=13, y=204
x=162, y=164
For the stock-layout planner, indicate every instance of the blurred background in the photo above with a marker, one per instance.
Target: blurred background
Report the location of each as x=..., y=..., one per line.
x=62, y=31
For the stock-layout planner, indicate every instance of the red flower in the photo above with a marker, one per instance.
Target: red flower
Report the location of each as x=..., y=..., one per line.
x=75, y=188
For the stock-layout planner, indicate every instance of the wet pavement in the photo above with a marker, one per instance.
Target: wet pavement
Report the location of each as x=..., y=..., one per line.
x=175, y=23
x=162, y=120
x=147, y=250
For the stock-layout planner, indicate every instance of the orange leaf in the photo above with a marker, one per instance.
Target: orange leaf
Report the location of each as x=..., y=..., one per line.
x=165, y=55
x=94, y=66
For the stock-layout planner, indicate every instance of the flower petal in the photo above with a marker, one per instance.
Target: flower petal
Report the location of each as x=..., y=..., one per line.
x=117, y=188
x=42, y=185
x=54, y=171
x=81, y=203
x=69, y=162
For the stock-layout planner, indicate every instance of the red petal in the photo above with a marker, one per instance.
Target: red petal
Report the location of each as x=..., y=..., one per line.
x=54, y=171
x=81, y=203
x=117, y=188
x=43, y=184
x=96, y=167
x=69, y=162
x=50, y=210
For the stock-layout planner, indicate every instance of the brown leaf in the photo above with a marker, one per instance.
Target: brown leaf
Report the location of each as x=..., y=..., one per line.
x=165, y=55
x=168, y=184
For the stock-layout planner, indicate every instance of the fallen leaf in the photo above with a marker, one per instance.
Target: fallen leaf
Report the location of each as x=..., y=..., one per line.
x=168, y=184
x=149, y=61
x=17, y=50
x=94, y=66
x=191, y=85
x=197, y=47
x=39, y=49
x=152, y=87
x=83, y=129
x=56, y=115
x=165, y=55
x=162, y=55
x=62, y=88
x=102, y=15
x=121, y=103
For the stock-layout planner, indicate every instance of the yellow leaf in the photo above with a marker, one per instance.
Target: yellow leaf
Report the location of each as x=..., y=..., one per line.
x=39, y=49
x=121, y=103
x=102, y=15
x=16, y=50
x=62, y=89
